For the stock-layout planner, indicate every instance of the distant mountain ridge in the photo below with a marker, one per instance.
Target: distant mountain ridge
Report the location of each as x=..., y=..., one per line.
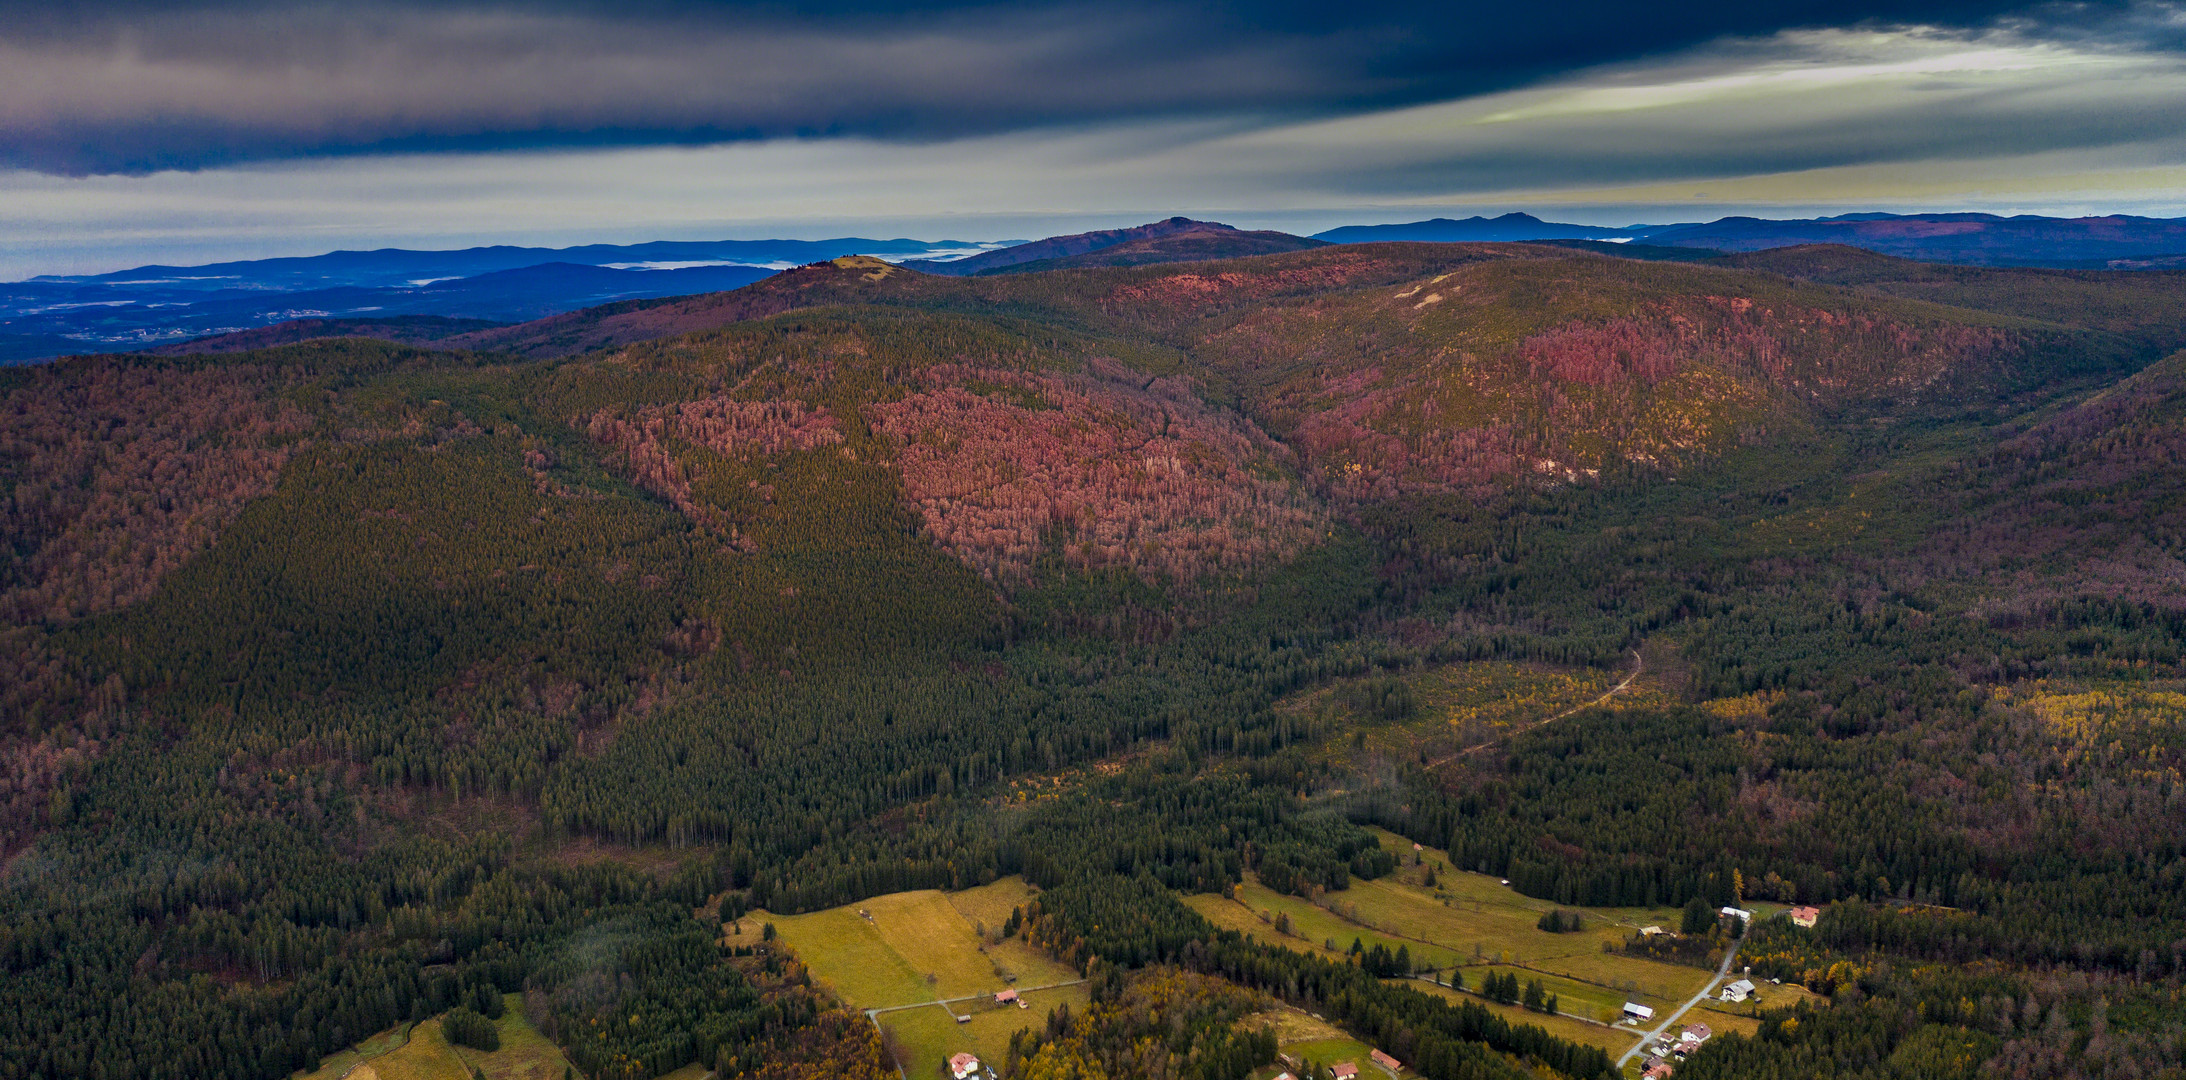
x=496, y=297
x=1176, y=239
x=403, y=266
x=156, y=305
x=2118, y=242
x=1509, y=227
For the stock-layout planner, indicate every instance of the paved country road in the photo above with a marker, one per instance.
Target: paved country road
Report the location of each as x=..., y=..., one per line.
x=1651, y=1036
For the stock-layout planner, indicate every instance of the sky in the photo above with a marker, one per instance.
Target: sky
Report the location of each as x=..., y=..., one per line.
x=135, y=131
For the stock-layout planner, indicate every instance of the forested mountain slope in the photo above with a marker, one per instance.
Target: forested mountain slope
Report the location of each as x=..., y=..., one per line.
x=346, y=678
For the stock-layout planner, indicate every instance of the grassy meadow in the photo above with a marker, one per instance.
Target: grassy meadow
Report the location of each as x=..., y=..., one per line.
x=925, y=1038
x=1614, y=1040
x=919, y=948
x=913, y=947
x=1333, y=1051
x=1475, y=925
x=421, y=1052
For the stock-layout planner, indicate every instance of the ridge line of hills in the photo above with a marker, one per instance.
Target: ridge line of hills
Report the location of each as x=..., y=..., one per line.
x=154, y=306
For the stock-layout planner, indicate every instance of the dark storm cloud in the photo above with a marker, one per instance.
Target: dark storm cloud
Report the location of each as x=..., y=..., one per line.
x=130, y=88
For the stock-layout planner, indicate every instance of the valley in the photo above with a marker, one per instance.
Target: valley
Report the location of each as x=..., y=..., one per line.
x=754, y=683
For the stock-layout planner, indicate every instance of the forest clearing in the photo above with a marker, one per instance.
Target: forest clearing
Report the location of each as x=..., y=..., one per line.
x=918, y=960
x=422, y=1051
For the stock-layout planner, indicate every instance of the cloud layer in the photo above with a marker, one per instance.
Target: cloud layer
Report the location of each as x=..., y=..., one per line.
x=104, y=87
x=555, y=125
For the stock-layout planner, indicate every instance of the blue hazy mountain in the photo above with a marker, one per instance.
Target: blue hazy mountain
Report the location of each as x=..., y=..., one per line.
x=501, y=296
x=157, y=304
x=1508, y=227
x=2118, y=241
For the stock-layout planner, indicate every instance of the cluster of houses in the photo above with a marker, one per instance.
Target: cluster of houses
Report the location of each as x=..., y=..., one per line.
x=1662, y=1055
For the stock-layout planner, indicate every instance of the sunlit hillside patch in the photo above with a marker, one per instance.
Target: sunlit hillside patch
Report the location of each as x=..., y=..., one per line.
x=2139, y=729
x=1434, y=711
x=422, y=1052
x=1754, y=706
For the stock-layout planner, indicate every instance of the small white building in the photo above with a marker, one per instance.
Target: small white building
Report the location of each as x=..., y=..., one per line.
x=1741, y=914
x=1636, y=1012
x=1650, y=931
x=1738, y=991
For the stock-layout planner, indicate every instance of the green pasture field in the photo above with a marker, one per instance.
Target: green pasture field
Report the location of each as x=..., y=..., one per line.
x=916, y=946
x=1721, y=1023
x=1484, y=893
x=1586, y=999
x=847, y=955
x=1474, y=924
x=990, y=905
x=1312, y=927
x=421, y=1052
x=1332, y=1051
x=334, y=1065
x=1614, y=1040
x=927, y=1037
x=1485, y=922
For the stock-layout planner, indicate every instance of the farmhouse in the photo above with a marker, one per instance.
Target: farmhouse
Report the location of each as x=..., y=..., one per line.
x=1738, y=991
x=1634, y=1011
x=1659, y=1072
x=1344, y=1070
x=1805, y=916
x=1384, y=1060
x=963, y=1065
x=1690, y=1039
x=1007, y=997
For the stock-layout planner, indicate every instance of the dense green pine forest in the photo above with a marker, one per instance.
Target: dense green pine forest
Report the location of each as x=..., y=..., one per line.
x=349, y=683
